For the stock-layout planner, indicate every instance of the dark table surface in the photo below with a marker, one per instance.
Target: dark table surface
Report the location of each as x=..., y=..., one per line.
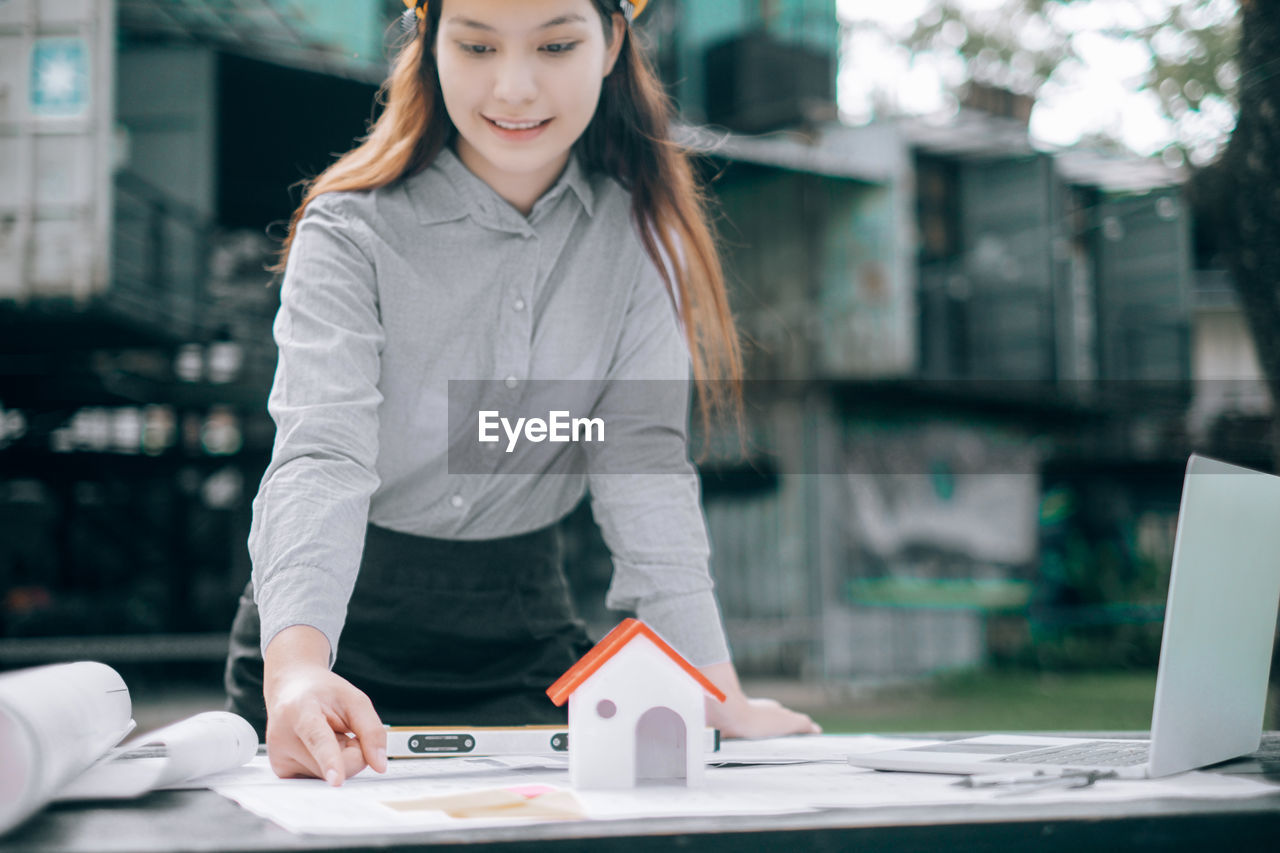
x=204, y=821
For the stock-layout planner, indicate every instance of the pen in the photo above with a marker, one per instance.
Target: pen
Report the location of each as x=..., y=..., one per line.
x=990, y=780
x=1016, y=783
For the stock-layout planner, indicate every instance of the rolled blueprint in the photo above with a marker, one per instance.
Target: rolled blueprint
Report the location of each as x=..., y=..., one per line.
x=55, y=721
x=189, y=749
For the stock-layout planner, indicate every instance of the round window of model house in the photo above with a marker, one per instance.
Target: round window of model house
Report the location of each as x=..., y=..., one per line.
x=606, y=709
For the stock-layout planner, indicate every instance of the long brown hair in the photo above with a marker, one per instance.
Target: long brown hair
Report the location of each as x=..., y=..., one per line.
x=628, y=139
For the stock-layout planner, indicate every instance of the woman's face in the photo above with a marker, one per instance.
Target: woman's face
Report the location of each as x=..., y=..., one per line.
x=521, y=80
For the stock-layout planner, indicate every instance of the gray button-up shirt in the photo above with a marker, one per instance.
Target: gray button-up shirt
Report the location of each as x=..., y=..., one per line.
x=389, y=294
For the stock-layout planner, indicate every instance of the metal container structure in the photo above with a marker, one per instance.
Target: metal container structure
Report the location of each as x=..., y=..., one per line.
x=989, y=274
x=1009, y=225
x=816, y=248
x=686, y=30
x=109, y=158
x=57, y=92
x=1144, y=282
x=90, y=254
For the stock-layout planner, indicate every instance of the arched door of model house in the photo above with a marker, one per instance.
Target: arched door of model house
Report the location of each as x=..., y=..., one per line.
x=661, y=745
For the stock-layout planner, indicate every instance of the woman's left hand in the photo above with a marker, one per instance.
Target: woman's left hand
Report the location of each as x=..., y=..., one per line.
x=742, y=717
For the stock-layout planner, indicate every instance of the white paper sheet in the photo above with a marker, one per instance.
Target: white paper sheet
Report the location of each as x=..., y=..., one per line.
x=314, y=806
x=832, y=786
x=803, y=749
x=258, y=771
x=311, y=806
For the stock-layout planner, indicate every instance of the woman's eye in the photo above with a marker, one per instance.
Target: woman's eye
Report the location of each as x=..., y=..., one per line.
x=561, y=47
x=476, y=49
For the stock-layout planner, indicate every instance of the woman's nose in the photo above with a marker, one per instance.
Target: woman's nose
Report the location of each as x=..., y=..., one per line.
x=516, y=81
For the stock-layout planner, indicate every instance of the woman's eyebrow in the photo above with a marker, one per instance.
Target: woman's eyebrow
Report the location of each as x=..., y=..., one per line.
x=572, y=18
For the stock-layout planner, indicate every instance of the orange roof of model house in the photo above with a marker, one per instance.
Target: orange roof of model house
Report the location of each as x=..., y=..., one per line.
x=612, y=643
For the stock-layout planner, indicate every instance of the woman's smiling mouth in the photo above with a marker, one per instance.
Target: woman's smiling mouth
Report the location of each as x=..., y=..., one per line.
x=514, y=124
x=517, y=129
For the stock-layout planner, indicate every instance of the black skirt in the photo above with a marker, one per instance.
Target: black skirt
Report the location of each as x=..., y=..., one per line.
x=441, y=632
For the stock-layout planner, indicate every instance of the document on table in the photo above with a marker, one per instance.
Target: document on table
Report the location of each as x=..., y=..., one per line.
x=370, y=803
x=258, y=771
x=367, y=803
x=805, y=749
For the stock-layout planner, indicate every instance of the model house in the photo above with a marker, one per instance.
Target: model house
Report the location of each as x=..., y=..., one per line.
x=637, y=711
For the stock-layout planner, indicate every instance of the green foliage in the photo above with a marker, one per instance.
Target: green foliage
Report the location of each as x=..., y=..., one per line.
x=996, y=700
x=1034, y=46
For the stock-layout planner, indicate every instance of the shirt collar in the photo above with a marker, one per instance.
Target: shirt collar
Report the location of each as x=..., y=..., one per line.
x=448, y=190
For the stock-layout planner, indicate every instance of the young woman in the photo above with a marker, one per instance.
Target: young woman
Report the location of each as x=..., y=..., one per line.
x=516, y=214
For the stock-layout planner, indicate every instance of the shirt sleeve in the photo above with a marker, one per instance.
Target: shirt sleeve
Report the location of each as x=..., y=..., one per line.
x=645, y=493
x=310, y=514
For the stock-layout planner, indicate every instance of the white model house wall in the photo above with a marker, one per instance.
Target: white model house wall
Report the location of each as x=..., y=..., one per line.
x=603, y=737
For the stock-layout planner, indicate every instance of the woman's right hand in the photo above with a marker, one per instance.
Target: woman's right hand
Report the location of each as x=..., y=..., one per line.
x=311, y=710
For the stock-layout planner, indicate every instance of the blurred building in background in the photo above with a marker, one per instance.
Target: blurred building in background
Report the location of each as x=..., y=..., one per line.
x=976, y=367
x=146, y=149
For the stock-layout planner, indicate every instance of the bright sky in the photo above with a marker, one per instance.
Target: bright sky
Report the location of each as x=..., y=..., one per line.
x=1100, y=96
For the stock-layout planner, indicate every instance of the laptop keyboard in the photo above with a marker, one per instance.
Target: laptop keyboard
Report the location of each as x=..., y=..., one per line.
x=1090, y=753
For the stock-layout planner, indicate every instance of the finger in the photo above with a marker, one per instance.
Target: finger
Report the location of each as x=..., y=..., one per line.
x=348, y=747
x=808, y=726
x=322, y=747
x=286, y=755
x=352, y=757
x=798, y=722
x=369, y=731
x=297, y=763
x=287, y=767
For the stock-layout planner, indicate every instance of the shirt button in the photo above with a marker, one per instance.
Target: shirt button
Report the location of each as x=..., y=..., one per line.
x=456, y=500
x=511, y=381
x=518, y=305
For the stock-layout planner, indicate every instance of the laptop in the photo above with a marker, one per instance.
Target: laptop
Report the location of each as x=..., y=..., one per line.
x=1215, y=651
